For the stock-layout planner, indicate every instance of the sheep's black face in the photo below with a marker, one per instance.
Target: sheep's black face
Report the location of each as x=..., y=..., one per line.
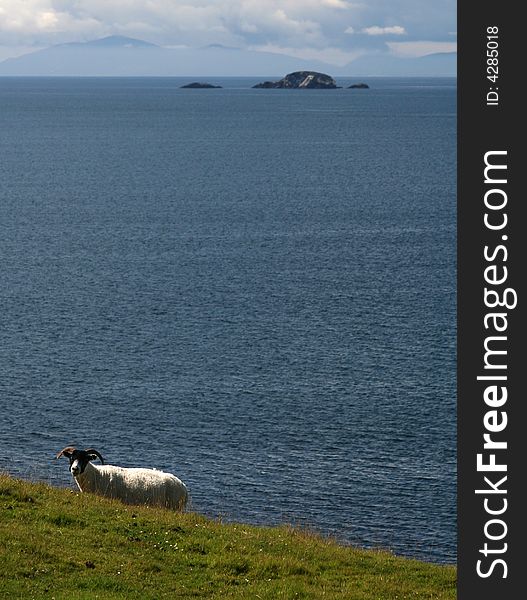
x=79, y=459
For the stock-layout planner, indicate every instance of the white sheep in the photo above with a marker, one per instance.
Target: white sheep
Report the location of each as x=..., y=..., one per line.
x=130, y=485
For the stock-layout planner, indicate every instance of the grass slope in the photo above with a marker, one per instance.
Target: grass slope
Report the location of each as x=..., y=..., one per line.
x=55, y=543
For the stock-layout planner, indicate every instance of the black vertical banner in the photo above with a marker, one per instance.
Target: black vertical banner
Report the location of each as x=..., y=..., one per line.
x=492, y=259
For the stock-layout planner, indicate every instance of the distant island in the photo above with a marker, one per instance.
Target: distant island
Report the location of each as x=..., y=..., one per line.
x=301, y=80
x=359, y=86
x=196, y=85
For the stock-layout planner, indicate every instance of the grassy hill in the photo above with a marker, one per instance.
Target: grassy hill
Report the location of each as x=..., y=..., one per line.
x=56, y=543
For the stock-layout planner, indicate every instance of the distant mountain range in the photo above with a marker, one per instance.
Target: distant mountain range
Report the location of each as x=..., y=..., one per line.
x=442, y=64
x=123, y=56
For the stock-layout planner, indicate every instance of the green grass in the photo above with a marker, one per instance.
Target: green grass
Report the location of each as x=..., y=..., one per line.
x=56, y=543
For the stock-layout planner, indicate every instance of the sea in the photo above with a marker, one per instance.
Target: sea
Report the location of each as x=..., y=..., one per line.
x=254, y=289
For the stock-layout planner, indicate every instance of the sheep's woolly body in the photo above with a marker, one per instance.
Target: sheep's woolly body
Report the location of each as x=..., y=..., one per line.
x=134, y=485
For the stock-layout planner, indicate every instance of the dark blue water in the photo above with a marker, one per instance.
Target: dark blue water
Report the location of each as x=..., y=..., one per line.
x=253, y=289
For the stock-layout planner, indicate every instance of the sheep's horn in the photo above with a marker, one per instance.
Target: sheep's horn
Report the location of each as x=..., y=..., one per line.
x=93, y=451
x=68, y=451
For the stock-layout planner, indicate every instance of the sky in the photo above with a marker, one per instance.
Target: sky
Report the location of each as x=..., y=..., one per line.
x=334, y=31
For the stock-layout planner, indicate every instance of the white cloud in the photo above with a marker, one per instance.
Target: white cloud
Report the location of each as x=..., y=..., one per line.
x=35, y=21
x=47, y=20
x=39, y=17
x=376, y=30
x=248, y=27
x=349, y=30
x=342, y=4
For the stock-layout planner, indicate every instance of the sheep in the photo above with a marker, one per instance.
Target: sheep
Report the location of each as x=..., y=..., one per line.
x=130, y=485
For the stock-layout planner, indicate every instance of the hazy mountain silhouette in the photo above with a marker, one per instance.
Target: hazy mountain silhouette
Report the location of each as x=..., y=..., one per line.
x=442, y=64
x=124, y=56
x=114, y=41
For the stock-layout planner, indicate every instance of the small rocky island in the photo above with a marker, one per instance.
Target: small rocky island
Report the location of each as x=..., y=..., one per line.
x=359, y=86
x=301, y=80
x=196, y=85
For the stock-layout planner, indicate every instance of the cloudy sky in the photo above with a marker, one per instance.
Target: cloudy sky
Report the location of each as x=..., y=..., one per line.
x=335, y=31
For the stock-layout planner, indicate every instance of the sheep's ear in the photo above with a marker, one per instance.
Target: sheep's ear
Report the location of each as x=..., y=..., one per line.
x=67, y=452
x=93, y=455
